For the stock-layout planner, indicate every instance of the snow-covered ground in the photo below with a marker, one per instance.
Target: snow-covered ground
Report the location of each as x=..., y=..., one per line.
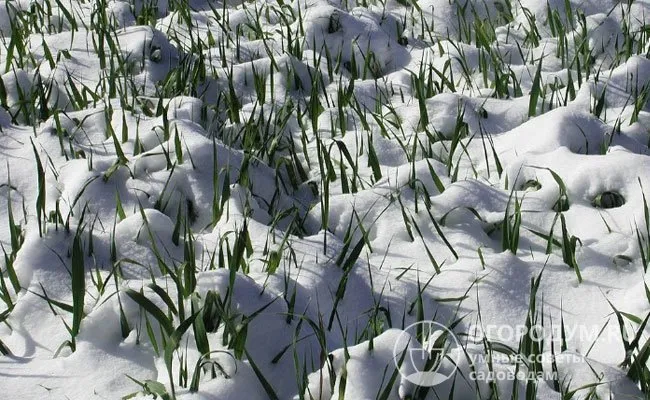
x=254, y=200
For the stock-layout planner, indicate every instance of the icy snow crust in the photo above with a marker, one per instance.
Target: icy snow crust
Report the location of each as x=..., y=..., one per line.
x=422, y=169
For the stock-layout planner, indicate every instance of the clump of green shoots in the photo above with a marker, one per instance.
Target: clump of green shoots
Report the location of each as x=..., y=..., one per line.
x=643, y=237
x=569, y=248
x=511, y=224
x=17, y=237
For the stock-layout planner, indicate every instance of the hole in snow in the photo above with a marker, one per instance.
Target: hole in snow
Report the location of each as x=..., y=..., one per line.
x=608, y=199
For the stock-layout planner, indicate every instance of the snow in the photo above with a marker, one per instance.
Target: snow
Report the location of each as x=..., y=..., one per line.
x=165, y=187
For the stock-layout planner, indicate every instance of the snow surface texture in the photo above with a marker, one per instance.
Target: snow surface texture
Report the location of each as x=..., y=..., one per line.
x=305, y=179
